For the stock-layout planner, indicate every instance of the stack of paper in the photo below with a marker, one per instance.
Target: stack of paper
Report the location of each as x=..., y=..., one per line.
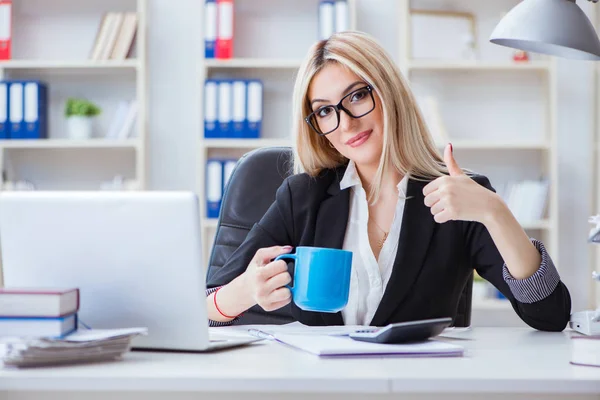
x=80, y=346
x=327, y=346
x=328, y=341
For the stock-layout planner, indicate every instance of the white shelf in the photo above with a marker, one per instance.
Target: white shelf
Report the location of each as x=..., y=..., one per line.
x=491, y=304
x=275, y=63
x=68, y=144
x=483, y=145
x=243, y=143
x=52, y=44
x=424, y=65
x=480, y=99
x=91, y=65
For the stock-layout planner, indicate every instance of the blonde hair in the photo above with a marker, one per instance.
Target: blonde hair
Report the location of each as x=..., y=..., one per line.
x=407, y=144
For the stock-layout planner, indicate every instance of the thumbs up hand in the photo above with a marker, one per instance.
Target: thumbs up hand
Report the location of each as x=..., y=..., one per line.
x=451, y=163
x=457, y=196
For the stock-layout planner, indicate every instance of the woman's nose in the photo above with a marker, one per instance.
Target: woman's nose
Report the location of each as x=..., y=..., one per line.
x=347, y=123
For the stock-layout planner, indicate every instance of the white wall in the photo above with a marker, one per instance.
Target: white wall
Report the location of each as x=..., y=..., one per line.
x=173, y=50
x=575, y=134
x=174, y=43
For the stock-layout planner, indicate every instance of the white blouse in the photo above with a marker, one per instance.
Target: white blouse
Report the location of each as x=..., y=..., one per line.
x=369, y=276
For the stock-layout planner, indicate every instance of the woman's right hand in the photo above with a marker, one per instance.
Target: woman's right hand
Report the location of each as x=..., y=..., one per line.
x=266, y=279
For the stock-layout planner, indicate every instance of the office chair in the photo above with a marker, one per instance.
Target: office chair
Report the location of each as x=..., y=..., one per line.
x=249, y=193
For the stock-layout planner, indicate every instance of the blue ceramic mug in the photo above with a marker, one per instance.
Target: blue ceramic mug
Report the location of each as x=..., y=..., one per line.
x=321, y=280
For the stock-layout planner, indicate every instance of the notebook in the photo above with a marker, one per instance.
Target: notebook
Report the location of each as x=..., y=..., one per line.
x=585, y=350
x=329, y=346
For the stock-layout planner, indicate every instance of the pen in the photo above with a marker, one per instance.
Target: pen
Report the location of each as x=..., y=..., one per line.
x=261, y=334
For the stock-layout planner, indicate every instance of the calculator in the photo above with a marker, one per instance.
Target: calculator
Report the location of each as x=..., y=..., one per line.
x=403, y=332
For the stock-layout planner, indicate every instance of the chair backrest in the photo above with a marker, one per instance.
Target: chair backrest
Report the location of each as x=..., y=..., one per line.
x=249, y=193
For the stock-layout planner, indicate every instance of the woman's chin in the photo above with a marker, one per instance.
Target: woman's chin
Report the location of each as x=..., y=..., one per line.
x=365, y=157
x=361, y=160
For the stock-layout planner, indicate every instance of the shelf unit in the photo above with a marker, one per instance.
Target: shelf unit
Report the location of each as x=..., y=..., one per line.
x=492, y=141
x=274, y=63
x=69, y=65
x=70, y=144
x=505, y=151
x=272, y=58
x=61, y=163
x=469, y=65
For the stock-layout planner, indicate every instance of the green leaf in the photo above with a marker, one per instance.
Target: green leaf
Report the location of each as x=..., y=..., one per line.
x=81, y=107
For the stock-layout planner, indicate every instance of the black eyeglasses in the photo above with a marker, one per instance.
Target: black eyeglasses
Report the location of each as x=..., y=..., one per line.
x=356, y=104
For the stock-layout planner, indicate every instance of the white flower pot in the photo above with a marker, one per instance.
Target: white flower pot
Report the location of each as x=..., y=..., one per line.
x=79, y=127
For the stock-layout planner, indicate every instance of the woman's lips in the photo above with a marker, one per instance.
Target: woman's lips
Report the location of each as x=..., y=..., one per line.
x=359, y=139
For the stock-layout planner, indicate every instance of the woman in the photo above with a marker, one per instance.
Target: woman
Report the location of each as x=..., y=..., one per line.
x=369, y=179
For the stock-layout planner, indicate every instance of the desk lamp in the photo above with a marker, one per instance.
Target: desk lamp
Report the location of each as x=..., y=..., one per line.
x=558, y=28
x=554, y=27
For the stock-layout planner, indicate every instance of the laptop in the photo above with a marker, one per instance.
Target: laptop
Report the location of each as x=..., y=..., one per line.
x=135, y=256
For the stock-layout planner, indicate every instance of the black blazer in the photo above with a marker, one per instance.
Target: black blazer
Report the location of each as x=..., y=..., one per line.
x=432, y=264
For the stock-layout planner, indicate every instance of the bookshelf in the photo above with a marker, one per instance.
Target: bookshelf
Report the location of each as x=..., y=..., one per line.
x=52, y=41
x=259, y=54
x=500, y=115
x=515, y=102
x=468, y=65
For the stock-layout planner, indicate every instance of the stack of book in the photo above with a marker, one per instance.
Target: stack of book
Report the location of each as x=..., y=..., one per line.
x=82, y=346
x=23, y=109
x=115, y=36
x=123, y=124
x=6, y=29
x=527, y=200
x=218, y=172
x=218, y=29
x=38, y=327
x=38, y=312
x=333, y=17
x=233, y=108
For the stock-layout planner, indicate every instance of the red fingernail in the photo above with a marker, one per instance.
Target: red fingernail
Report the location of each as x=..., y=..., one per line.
x=451, y=148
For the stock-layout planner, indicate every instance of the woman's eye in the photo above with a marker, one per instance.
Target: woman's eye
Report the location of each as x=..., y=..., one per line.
x=323, y=112
x=359, y=95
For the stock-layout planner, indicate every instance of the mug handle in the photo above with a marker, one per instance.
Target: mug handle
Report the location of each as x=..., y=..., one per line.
x=293, y=257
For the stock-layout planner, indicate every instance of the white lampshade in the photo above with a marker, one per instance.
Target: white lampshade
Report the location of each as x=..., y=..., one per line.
x=554, y=27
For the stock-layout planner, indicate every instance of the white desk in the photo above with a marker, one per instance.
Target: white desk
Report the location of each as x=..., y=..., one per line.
x=522, y=363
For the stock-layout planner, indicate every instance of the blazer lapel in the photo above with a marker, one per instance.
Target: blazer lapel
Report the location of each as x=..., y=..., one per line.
x=418, y=226
x=331, y=228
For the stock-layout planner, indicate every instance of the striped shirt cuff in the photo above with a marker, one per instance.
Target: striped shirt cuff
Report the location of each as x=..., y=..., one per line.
x=217, y=323
x=538, y=286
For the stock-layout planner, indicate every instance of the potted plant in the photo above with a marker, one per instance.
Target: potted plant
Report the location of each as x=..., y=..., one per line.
x=80, y=114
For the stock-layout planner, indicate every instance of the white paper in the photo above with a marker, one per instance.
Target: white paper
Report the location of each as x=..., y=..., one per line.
x=297, y=328
x=336, y=345
x=81, y=346
x=88, y=335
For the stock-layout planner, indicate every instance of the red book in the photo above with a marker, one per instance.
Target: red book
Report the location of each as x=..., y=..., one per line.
x=224, y=42
x=5, y=29
x=38, y=302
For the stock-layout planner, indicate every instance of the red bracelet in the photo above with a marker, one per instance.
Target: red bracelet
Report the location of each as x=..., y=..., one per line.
x=217, y=307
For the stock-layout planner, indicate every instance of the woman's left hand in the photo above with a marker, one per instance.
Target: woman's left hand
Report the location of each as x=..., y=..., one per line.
x=458, y=197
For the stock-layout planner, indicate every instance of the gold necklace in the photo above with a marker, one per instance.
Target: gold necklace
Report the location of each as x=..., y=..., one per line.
x=385, y=234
